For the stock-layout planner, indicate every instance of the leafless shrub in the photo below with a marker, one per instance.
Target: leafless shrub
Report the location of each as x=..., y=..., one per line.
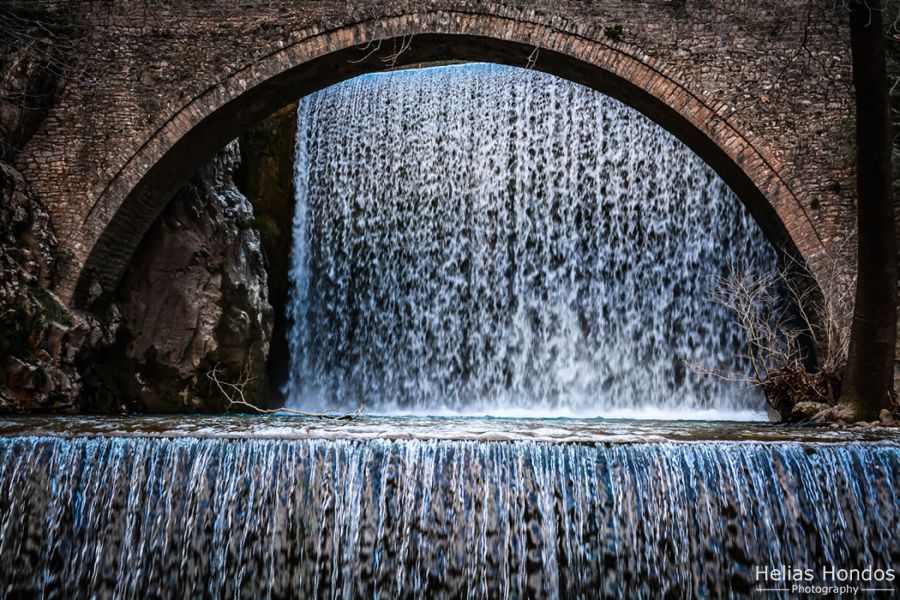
x=392, y=58
x=825, y=304
x=778, y=311
x=41, y=50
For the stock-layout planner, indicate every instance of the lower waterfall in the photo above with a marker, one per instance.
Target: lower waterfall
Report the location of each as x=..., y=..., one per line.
x=140, y=517
x=489, y=239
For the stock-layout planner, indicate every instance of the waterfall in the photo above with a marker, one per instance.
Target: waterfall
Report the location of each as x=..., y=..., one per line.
x=478, y=237
x=141, y=517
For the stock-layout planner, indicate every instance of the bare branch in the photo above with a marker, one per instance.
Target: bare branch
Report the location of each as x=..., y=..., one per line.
x=775, y=311
x=234, y=394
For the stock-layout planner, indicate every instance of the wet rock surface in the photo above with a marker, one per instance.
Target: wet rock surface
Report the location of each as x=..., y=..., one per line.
x=804, y=411
x=195, y=298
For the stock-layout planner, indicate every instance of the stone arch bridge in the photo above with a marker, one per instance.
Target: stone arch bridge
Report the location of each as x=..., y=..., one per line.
x=761, y=89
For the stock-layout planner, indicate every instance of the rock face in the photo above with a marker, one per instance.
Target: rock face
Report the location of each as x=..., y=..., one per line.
x=41, y=340
x=195, y=298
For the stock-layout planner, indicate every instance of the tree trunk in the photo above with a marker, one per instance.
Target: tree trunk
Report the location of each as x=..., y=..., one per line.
x=868, y=381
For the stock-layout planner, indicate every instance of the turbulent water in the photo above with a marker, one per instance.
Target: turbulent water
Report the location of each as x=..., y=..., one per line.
x=139, y=517
x=475, y=238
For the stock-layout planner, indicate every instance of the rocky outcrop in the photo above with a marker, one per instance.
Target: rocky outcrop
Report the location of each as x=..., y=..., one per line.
x=41, y=340
x=194, y=298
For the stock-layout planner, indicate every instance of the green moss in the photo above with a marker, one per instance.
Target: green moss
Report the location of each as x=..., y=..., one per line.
x=50, y=308
x=61, y=259
x=267, y=227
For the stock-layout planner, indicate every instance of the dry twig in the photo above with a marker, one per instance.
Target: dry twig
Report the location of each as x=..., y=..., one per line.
x=234, y=393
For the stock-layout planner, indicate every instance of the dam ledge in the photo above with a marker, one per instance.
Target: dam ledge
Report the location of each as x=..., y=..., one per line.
x=367, y=428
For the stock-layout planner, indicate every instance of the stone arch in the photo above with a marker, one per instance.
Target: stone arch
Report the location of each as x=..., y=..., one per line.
x=134, y=196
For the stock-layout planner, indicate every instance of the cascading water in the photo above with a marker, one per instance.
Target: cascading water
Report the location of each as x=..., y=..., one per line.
x=140, y=517
x=481, y=238
x=472, y=239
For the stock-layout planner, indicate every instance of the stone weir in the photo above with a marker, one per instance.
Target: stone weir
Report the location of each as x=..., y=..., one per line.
x=306, y=509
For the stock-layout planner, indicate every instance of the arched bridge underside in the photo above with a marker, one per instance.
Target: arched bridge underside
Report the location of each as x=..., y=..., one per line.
x=761, y=90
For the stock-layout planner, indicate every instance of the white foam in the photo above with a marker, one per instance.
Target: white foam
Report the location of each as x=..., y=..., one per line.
x=639, y=414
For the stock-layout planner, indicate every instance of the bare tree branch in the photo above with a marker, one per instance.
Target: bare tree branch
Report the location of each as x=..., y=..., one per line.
x=234, y=394
x=776, y=310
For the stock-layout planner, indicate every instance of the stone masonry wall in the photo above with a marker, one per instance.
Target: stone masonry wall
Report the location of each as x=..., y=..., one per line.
x=769, y=80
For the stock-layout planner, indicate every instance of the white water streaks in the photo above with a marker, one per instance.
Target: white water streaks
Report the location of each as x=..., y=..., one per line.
x=481, y=239
x=112, y=517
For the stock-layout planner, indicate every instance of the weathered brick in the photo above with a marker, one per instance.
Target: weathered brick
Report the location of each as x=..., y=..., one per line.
x=164, y=82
